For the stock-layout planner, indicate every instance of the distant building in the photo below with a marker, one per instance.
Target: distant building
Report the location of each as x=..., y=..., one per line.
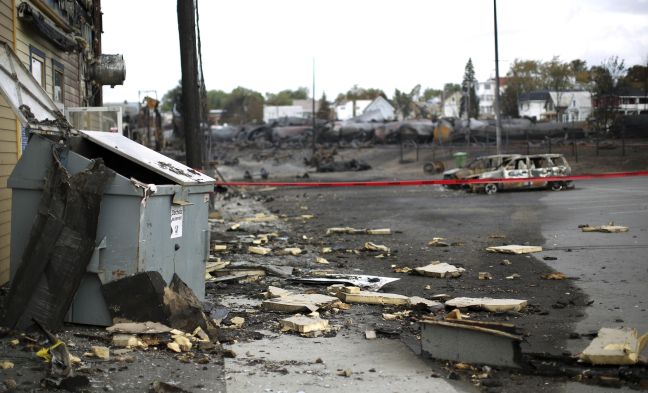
x=275, y=112
x=379, y=110
x=564, y=106
x=451, y=105
x=486, y=94
x=346, y=110
x=633, y=102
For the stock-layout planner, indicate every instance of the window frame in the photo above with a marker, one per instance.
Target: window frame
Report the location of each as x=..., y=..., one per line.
x=57, y=67
x=38, y=55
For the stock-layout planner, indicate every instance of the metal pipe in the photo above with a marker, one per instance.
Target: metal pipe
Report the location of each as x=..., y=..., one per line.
x=498, y=119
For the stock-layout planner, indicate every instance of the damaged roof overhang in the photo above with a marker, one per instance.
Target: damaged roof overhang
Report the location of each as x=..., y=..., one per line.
x=47, y=28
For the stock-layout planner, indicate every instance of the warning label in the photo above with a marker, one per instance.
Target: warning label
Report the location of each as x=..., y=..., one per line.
x=176, y=221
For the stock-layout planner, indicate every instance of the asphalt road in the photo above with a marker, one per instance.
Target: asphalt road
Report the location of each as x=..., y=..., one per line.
x=607, y=268
x=610, y=268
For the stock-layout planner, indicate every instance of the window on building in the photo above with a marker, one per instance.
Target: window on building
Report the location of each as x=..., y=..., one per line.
x=58, y=83
x=486, y=86
x=37, y=64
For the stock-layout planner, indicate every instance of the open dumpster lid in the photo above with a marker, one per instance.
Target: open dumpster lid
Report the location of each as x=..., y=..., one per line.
x=150, y=159
x=20, y=88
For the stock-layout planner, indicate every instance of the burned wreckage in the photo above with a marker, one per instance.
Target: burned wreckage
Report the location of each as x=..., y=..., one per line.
x=93, y=209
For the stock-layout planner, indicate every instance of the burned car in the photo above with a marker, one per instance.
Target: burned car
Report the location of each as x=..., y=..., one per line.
x=475, y=167
x=525, y=167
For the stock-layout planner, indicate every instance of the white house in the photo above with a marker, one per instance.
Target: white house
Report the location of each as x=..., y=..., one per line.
x=451, y=105
x=346, y=111
x=486, y=94
x=379, y=110
x=274, y=112
x=545, y=105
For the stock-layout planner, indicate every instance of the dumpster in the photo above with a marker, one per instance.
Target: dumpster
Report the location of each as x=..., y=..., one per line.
x=460, y=159
x=153, y=214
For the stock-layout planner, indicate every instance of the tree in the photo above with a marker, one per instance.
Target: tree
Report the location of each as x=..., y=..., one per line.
x=404, y=102
x=243, y=106
x=636, y=79
x=286, y=97
x=324, y=111
x=556, y=77
x=605, y=81
x=216, y=99
x=579, y=71
x=171, y=98
x=431, y=93
x=523, y=77
x=469, y=103
x=451, y=88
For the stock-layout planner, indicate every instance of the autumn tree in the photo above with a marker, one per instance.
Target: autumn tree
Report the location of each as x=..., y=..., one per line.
x=556, y=77
x=523, y=77
x=469, y=103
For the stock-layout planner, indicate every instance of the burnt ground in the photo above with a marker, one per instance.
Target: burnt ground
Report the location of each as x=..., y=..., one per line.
x=471, y=222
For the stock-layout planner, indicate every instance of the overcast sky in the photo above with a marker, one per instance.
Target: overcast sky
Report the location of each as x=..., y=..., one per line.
x=269, y=45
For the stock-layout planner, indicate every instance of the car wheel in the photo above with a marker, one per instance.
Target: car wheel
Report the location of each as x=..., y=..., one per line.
x=490, y=188
x=555, y=186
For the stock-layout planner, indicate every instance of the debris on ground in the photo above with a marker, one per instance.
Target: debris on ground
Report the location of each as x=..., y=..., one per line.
x=513, y=276
x=259, y=250
x=417, y=301
x=372, y=283
x=145, y=297
x=471, y=342
x=440, y=270
x=298, y=303
x=555, y=276
x=294, y=251
x=5, y=365
x=237, y=322
x=220, y=248
x=370, y=334
x=505, y=262
x=275, y=292
x=438, y=242
x=345, y=373
x=488, y=304
x=139, y=328
x=163, y=387
x=321, y=260
x=303, y=324
x=354, y=231
x=485, y=276
x=610, y=228
x=56, y=354
x=615, y=347
x=514, y=249
x=401, y=269
x=369, y=246
x=366, y=297
x=261, y=217
x=99, y=352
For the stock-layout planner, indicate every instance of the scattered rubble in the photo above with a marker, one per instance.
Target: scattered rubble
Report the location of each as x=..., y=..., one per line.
x=610, y=228
x=369, y=246
x=438, y=242
x=514, y=249
x=303, y=324
x=372, y=283
x=298, y=303
x=471, y=342
x=488, y=304
x=440, y=270
x=259, y=250
x=366, y=297
x=555, y=276
x=485, y=276
x=354, y=231
x=615, y=347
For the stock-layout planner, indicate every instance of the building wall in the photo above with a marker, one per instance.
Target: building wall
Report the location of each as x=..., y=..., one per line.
x=20, y=37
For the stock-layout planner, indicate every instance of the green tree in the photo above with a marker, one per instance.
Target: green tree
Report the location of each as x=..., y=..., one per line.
x=243, y=106
x=636, y=78
x=216, y=99
x=430, y=93
x=404, y=102
x=171, y=97
x=579, y=71
x=324, y=111
x=469, y=102
x=451, y=88
x=286, y=97
x=523, y=77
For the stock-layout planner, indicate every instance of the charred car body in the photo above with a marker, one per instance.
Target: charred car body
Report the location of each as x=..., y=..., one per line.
x=525, y=167
x=477, y=166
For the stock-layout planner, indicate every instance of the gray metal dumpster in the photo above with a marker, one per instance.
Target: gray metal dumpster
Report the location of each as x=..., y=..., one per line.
x=153, y=214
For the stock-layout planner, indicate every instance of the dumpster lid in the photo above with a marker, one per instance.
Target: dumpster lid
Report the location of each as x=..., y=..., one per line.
x=150, y=159
x=20, y=88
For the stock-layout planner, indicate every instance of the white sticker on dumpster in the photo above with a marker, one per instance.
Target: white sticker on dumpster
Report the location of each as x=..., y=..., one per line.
x=176, y=221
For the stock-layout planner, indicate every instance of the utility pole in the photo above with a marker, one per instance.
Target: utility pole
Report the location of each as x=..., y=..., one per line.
x=498, y=118
x=313, y=116
x=190, y=85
